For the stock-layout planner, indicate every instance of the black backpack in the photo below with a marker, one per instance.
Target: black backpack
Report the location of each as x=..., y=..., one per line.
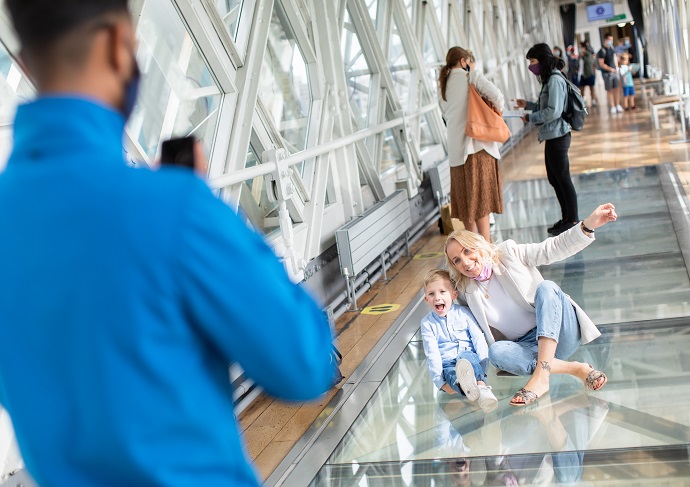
x=575, y=109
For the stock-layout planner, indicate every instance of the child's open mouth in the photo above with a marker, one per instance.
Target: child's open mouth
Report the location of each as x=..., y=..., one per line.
x=440, y=307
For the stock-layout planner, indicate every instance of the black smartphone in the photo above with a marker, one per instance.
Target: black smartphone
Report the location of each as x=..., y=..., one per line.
x=178, y=152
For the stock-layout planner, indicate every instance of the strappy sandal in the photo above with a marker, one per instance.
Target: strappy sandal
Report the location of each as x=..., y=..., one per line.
x=593, y=379
x=528, y=397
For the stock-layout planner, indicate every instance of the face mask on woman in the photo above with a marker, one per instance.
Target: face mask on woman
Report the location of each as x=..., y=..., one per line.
x=535, y=69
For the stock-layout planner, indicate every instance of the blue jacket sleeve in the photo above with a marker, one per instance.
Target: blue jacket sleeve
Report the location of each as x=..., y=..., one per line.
x=557, y=91
x=238, y=296
x=433, y=356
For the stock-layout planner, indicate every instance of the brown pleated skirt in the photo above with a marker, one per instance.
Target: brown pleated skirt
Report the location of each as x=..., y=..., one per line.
x=475, y=188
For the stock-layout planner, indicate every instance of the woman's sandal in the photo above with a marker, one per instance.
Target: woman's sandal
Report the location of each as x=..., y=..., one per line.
x=592, y=380
x=528, y=397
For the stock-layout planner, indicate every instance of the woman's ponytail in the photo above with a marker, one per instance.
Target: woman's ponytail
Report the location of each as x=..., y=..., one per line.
x=443, y=80
x=453, y=57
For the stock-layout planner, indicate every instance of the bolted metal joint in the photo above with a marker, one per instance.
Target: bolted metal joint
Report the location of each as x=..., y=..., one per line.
x=279, y=185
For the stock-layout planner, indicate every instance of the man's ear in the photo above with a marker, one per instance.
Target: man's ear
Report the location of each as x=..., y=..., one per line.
x=120, y=47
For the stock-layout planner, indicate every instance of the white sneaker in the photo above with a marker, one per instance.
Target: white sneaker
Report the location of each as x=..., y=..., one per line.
x=613, y=110
x=619, y=109
x=487, y=400
x=466, y=380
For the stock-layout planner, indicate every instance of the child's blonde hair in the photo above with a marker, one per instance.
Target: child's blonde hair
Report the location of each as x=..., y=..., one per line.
x=625, y=57
x=438, y=275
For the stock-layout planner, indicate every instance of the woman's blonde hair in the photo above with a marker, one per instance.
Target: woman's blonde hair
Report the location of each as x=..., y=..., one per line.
x=453, y=57
x=472, y=241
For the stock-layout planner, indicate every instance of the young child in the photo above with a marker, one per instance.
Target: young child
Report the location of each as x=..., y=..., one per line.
x=456, y=350
x=628, y=86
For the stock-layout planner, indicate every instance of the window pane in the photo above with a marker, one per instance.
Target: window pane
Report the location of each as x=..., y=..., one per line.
x=284, y=84
x=229, y=11
x=408, y=7
x=14, y=89
x=399, y=66
x=439, y=10
x=432, y=58
x=373, y=6
x=261, y=212
x=392, y=155
x=357, y=73
x=178, y=95
x=426, y=134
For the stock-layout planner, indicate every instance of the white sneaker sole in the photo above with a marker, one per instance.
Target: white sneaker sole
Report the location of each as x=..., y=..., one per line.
x=466, y=380
x=488, y=403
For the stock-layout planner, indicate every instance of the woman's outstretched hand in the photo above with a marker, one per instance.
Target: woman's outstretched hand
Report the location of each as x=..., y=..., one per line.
x=601, y=216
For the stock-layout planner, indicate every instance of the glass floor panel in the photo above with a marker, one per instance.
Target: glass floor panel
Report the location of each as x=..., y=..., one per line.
x=653, y=467
x=635, y=270
x=409, y=419
x=412, y=434
x=634, y=282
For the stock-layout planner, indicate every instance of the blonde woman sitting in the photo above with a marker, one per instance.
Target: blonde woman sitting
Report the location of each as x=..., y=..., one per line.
x=532, y=327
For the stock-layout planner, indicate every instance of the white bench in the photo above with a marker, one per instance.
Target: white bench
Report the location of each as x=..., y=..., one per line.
x=367, y=237
x=660, y=103
x=440, y=182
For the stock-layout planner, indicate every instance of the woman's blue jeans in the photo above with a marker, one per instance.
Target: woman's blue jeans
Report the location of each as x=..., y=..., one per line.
x=451, y=377
x=556, y=318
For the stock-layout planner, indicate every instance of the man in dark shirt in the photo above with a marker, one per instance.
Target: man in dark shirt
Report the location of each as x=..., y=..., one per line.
x=609, y=70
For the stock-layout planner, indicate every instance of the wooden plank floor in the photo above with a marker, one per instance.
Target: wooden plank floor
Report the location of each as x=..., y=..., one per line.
x=271, y=427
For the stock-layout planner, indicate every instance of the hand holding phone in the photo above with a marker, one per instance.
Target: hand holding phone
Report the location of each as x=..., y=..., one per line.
x=179, y=152
x=186, y=152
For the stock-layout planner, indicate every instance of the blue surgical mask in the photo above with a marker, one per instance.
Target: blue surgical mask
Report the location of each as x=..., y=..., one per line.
x=131, y=91
x=609, y=43
x=626, y=43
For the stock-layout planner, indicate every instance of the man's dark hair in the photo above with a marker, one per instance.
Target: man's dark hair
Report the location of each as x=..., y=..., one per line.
x=608, y=35
x=41, y=22
x=548, y=62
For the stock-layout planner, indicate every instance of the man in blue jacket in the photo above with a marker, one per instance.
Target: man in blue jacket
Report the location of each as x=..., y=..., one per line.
x=125, y=293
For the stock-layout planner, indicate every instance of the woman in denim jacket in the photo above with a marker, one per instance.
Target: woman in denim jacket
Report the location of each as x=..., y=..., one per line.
x=546, y=115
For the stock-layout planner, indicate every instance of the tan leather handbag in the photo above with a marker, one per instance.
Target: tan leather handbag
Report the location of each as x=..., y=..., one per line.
x=484, y=122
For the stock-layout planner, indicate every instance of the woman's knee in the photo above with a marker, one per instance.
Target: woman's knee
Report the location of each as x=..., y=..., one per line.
x=546, y=290
x=501, y=355
x=496, y=351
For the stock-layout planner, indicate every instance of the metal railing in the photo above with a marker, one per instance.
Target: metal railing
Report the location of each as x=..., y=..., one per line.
x=237, y=177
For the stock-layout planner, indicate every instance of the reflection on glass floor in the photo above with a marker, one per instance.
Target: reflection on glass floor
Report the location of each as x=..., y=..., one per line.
x=633, y=432
x=635, y=271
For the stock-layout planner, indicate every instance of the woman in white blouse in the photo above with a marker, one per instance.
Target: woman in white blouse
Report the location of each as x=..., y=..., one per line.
x=532, y=327
x=475, y=179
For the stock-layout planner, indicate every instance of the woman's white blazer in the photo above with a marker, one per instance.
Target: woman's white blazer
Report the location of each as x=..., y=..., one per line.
x=518, y=274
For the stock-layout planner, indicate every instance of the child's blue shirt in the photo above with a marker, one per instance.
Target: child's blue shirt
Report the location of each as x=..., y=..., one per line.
x=626, y=74
x=445, y=337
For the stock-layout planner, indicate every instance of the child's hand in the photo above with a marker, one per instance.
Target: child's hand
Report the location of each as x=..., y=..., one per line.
x=447, y=388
